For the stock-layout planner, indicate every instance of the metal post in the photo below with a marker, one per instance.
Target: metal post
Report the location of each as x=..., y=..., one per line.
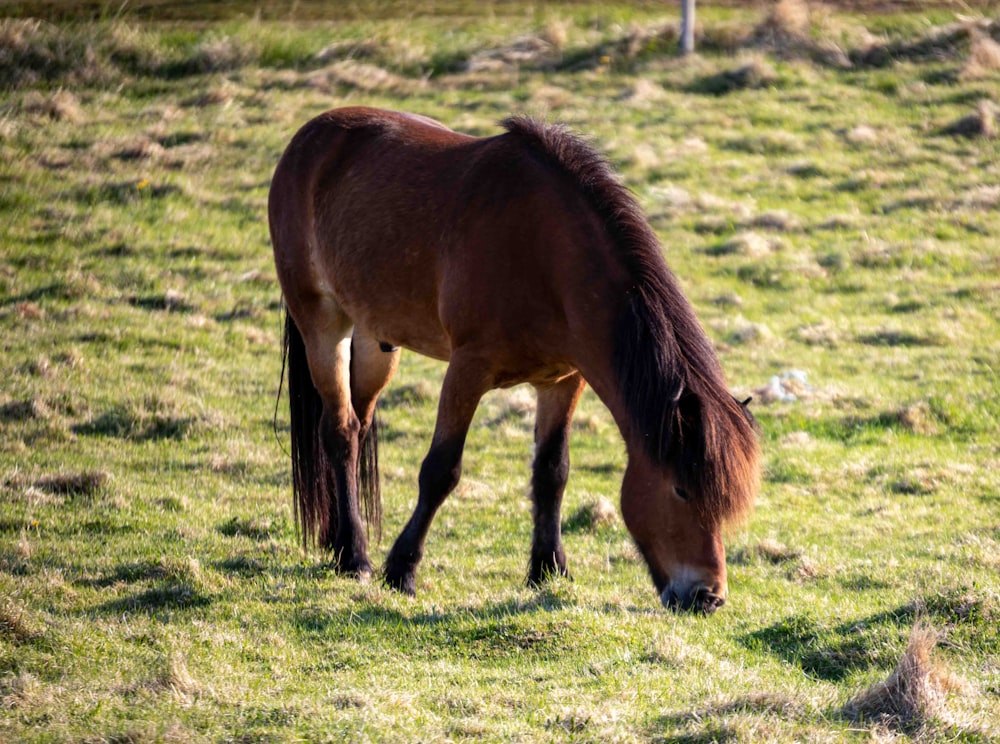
x=687, y=28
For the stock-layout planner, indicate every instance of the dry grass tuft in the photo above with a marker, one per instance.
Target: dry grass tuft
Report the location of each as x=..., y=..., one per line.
x=789, y=17
x=550, y=97
x=222, y=54
x=823, y=333
x=348, y=49
x=760, y=703
x=777, y=220
x=917, y=418
x=862, y=135
x=24, y=410
x=984, y=58
x=16, y=692
x=591, y=516
x=86, y=483
x=914, y=694
x=139, y=148
x=768, y=550
x=415, y=394
x=787, y=22
x=15, y=626
x=221, y=95
x=29, y=311
x=789, y=29
x=739, y=330
x=60, y=105
x=512, y=404
x=176, y=677
x=645, y=91
x=982, y=123
x=16, y=33
x=556, y=33
x=748, y=243
x=534, y=52
x=753, y=74
x=360, y=75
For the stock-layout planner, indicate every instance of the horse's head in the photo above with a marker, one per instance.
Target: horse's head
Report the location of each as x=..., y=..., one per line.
x=676, y=511
x=684, y=553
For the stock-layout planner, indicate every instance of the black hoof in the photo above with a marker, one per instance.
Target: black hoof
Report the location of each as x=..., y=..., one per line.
x=403, y=582
x=356, y=567
x=541, y=574
x=547, y=565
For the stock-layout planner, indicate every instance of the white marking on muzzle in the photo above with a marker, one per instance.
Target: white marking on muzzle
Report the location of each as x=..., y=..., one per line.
x=684, y=581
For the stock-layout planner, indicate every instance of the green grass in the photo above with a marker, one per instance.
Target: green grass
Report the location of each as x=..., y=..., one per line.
x=152, y=587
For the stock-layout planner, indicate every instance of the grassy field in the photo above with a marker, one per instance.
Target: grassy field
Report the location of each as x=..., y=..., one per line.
x=825, y=185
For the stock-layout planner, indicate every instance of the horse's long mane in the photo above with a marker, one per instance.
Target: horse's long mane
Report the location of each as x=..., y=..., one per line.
x=670, y=379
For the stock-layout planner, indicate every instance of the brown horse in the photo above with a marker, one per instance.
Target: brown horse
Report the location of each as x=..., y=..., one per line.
x=515, y=258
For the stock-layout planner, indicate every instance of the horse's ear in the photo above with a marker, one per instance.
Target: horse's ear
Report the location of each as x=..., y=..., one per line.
x=744, y=407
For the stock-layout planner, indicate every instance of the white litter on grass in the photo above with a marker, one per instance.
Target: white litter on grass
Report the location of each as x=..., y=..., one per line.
x=787, y=387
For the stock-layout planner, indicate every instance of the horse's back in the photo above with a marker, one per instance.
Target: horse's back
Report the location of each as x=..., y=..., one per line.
x=430, y=239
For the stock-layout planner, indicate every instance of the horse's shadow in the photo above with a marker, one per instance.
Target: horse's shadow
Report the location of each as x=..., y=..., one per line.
x=159, y=587
x=491, y=631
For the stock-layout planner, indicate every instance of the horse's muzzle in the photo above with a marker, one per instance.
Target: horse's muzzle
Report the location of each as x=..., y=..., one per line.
x=698, y=598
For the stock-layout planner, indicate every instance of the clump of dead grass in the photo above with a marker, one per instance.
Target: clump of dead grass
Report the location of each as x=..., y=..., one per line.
x=557, y=32
x=218, y=95
x=980, y=124
x=24, y=410
x=68, y=484
x=16, y=625
x=513, y=404
x=917, y=418
x=175, y=677
x=592, y=515
x=862, y=135
x=222, y=54
x=767, y=703
x=361, y=75
x=984, y=58
x=950, y=41
x=59, y=105
x=795, y=29
x=916, y=692
x=753, y=74
x=139, y=148
x=348, y=49
x=638, y=42
x=767, y=550
x=747, y=243
x=787, y=20
x=645, y=91
x=539, y=51
x=85, y=483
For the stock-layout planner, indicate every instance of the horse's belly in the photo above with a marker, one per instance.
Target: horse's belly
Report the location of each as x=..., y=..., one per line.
x=400, y=321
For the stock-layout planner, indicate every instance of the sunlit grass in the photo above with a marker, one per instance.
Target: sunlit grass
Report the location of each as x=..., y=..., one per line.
x=829, y=231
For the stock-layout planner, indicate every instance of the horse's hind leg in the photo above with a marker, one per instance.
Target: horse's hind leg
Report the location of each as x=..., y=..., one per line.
x=328, y=348
x=372, y=366
x=464, y=384
x=550, y=471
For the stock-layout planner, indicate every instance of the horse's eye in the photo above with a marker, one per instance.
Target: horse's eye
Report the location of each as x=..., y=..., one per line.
x=681, y=493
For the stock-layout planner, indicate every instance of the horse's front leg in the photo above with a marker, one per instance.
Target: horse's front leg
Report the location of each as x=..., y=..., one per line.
x=464, y=384
x=550, y=471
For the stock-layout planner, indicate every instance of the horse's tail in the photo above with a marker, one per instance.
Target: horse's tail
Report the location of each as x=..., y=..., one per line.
x=312, y=480
x=369, y=482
